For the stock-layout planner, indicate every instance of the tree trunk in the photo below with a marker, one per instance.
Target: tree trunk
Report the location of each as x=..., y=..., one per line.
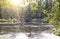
x=0, y=13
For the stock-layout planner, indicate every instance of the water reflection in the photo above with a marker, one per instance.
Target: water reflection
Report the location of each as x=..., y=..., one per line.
x=28, y=33
x=43, y=35
x=32, y=35
x=21, y=36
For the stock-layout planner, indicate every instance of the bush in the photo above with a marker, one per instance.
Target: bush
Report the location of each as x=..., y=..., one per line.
x=8, y=20
x=3, y=20
x=56, y=31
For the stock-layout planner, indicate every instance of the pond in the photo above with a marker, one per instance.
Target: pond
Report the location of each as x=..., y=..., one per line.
x=32, y=35
x=27, y=33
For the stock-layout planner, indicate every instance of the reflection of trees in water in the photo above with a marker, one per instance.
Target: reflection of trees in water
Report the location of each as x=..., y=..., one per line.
x=28, y=29
x=33, y=30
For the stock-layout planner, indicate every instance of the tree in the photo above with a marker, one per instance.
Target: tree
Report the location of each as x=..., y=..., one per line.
x=1, y=3
x=53, y=12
